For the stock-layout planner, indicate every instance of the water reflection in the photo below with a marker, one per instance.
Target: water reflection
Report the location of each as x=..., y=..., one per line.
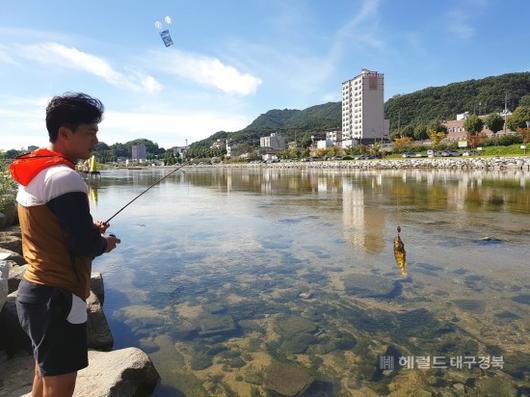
x=247, y=282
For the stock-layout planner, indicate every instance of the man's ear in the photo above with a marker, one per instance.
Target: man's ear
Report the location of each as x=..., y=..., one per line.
x=64, y=133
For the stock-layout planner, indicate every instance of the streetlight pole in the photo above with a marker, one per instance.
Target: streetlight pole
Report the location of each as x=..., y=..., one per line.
x=505, y=110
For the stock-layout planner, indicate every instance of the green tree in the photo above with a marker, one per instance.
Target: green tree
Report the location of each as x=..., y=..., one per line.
x=525, y=101
x=494, y=122
x=420, y=132
x=518, y=118
x=169, y=158
x=473, y=125
x=408, y=131
x=437, y=126
x=7, y=185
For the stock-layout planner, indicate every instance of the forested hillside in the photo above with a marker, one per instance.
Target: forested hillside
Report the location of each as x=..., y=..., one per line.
x=444, y=103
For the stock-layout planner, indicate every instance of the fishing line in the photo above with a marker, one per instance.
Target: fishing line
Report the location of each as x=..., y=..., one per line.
x=145, y=191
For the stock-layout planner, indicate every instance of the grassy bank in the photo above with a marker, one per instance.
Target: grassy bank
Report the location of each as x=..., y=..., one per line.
x=487, y=151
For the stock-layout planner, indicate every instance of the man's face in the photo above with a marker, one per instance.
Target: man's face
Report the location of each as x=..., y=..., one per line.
x=81, y=141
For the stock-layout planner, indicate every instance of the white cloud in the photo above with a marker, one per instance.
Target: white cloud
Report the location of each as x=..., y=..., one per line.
x=458, y=19
x=206, y=71
x=350, y=33
x=170, y=128
x=22, y=123
x=458, y=24
x=5, y=57
x=60, y=55
x=300, y=70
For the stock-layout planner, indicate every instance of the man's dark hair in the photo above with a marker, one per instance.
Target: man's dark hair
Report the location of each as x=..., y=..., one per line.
x=70, y=110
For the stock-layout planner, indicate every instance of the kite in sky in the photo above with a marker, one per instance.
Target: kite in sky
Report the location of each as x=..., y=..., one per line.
x=163, y=30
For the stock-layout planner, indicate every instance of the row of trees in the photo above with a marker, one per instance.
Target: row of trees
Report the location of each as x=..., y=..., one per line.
x=7, y=185
x=482, y=96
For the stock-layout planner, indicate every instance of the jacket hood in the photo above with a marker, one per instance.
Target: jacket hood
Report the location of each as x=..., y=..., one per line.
x=27, y=166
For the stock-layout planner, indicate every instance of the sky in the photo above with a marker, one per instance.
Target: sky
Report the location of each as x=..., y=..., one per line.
x=234, y=60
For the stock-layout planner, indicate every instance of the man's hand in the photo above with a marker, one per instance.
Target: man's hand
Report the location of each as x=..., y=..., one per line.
x=112, y=242
x=101, y=226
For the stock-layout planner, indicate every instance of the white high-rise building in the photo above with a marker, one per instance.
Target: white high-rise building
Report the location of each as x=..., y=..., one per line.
x=363, y=119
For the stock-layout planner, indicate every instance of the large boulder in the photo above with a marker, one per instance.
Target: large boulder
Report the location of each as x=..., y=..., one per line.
x=4, y=276
x=8, y=255
x=99, y=334
x=10, y=242
x=125, y=372
x=12, y=231
x=96, y=286
x=15, y=276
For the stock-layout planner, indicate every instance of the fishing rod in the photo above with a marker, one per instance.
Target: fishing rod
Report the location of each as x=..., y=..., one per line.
x=145, y=191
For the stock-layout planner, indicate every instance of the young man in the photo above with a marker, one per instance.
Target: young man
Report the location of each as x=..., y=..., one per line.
x=59, y=242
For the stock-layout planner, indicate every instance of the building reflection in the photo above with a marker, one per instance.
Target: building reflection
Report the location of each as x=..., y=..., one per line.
x=364, y=224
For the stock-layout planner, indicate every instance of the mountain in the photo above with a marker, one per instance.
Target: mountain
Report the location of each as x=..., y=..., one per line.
x=444, y=103
x=291, y=123
x=423, y=106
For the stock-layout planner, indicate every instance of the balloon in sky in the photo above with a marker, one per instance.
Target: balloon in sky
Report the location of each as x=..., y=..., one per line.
x=163, y=30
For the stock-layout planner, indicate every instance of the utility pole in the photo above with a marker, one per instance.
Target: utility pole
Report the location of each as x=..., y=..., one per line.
x=399, y=123
x=505, y=110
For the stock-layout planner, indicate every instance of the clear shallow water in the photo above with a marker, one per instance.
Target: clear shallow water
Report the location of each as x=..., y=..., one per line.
x=248, y=282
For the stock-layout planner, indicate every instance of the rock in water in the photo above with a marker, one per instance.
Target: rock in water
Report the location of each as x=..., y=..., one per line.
x=287, y=380
x=369, y=286
x=96, y=286
x=98, y=330
x=125, y=372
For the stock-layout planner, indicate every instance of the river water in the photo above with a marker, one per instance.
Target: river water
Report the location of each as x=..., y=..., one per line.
x=274, y=282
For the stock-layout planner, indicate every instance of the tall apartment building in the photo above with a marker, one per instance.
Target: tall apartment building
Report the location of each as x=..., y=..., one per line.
x=138, y=152
x=363, y=119
x=274, y=141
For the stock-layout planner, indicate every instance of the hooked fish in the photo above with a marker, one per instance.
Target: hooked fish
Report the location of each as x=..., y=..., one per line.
x=400, y=254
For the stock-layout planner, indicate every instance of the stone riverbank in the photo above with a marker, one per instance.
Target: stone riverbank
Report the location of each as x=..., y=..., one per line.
x=455, y=163
x=123, y=372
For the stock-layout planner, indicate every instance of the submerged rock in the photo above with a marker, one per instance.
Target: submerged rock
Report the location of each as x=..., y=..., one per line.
x=524, y=299
x=287, y=380
x=200, y=360
x=369, y=286
x=295, y=325
x=471, y=305
x=495, y=386
x=216, y=324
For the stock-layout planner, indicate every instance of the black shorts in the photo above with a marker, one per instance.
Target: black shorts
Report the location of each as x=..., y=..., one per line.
x=55, y=321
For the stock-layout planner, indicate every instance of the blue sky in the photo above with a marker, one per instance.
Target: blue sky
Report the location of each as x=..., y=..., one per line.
x=233, y=60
